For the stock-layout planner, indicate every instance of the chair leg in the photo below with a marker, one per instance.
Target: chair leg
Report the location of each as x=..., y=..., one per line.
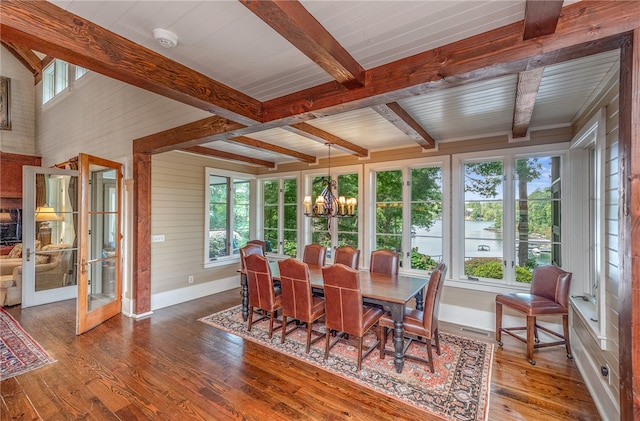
x=565, y=326
x=359, y=353
x=382, y=337
x=430, y=355
x=250, y=318
x=531, y=321
x=271, y=317
x=436, y=336
x=326, y=347
x=499, y=323
x=309, y=325
x=284, y=328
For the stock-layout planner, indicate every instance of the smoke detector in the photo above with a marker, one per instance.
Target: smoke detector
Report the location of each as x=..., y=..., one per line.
x=166, y=39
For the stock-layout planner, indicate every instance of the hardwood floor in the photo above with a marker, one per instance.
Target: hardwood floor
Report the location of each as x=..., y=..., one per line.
x=171, y=367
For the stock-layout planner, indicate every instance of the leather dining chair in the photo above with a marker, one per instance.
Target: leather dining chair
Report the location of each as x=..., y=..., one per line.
x=249, y=249
x=348, y=256
x=419, y=326
x=314, y=254
x=384, y=261
x=549, y=295
x=262, y=294
x=297, y=300
x=262, y=244
x=345, y=313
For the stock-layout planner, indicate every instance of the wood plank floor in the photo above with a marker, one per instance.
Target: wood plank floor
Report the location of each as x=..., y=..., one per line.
x=172, y=367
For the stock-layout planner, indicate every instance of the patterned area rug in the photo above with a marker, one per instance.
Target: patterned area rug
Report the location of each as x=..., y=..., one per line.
x=19, y=353
x=458, y=390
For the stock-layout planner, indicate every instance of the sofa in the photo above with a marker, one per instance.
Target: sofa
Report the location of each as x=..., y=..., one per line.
x=53, y=269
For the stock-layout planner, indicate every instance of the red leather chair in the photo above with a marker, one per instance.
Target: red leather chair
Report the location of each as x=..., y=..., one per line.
x=262, y=294
x=384, y=261
x=297, y=300
x=419, y=326
x=549, y=295
x=248, y=250
x=345, y=313
x=348, y=256
x=314, y=254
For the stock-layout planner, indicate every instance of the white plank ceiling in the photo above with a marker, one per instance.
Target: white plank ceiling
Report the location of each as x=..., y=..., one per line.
x=225, y=41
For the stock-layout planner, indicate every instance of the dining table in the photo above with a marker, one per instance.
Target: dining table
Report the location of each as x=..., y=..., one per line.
x=391, y=292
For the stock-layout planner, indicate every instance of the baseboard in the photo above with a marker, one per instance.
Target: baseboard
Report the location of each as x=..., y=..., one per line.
x=177, y=296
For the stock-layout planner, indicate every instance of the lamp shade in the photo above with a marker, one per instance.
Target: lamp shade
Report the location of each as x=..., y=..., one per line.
x=46, y=213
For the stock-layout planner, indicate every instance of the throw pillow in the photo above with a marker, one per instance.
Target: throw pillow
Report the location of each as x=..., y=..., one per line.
x=16, y=252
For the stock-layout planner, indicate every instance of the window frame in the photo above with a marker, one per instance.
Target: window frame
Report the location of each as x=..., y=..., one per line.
x=71, y=81
x=231, y=176
x=280, y=178
x=508, y=157
x=405, y=167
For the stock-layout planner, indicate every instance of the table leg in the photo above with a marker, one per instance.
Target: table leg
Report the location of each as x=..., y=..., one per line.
x=397, y=314
x=420, y=300
x=245, y=297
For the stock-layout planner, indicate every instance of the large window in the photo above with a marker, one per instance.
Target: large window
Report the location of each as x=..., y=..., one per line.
x=55, y=79
x=510, y=216
x=280, y=215
x=409, y=213
x=228, y=201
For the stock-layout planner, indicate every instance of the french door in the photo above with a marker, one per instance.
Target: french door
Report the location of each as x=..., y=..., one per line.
x=49, y=236
x=99, y=256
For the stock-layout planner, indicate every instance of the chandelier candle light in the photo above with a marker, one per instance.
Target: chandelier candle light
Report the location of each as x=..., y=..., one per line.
x=328, y=204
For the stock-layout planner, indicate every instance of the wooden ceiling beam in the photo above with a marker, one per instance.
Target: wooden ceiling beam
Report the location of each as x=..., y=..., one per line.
x=201, y=150
x=400, y=118
x=27, y=57
x=321, y=136
x=291, y=20
x=44, y=27
x=584, y=28
x=526, y=94
x=541, y=17
x=258, y=144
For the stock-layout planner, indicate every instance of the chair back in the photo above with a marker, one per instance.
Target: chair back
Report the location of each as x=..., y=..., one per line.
x=259, y=282
x=248, y=250
x=384, y=261
x=314, y=254
x=432, y=298
x=296, y=290
x=552, y=283
x=261, y=243
x=342, y=299
x=348, y=256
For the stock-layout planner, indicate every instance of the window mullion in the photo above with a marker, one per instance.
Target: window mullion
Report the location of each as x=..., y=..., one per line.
x=509, y=222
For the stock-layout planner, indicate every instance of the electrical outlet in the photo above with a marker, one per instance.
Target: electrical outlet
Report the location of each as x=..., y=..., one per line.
x=190, y=279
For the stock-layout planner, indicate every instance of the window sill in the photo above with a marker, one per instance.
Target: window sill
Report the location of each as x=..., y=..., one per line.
x=222, y=262
x=588, y=314
x=486, y=287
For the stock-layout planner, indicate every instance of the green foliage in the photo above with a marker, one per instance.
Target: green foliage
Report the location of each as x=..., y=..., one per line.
x=422, y=261
x=523, y=274
x=489, y=267
x=491, y=270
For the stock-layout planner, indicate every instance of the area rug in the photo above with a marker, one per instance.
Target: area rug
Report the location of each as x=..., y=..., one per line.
x=19, y=352
x=458, y=390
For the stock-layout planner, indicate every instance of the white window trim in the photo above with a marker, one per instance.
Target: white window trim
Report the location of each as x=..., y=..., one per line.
x=508, y=156
x=208, y=171
x=370, y=193
x=280, y=177
x=592, y=312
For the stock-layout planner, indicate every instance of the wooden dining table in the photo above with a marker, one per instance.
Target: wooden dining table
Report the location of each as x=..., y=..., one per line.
x=391, y=292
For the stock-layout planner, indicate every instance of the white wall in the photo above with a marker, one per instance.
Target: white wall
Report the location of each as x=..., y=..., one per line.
x=21, y=138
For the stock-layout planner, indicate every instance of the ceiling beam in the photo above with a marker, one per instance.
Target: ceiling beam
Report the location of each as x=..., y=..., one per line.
x=541, y=17
x=400, y=118
x=26, y=57
x=319, y=135
x=291, y=20
x=258, y=144
x=201, y=150
x=584, y=28
x=526, y=94
x=44, y=27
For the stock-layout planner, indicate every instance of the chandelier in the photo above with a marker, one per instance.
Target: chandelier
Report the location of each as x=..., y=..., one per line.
x=328, y=204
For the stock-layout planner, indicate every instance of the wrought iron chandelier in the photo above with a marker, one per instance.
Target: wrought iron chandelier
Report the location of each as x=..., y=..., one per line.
x=328, y=204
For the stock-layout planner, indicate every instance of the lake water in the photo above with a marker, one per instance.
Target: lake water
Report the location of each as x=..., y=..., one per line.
x=480, y=242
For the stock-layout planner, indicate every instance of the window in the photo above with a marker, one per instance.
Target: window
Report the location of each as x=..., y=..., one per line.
x=80, y=71
x=280, y=215
x=228, y=204
x=510, y=216
x=409, y=210
x=55, y=79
